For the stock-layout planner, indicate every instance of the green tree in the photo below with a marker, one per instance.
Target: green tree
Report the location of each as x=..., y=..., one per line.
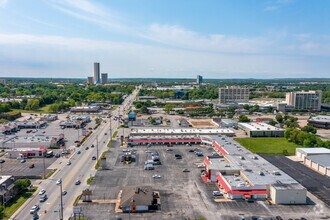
x=168, y=107
x=309, y=129
x=144, y=110
x=32, y=104
x=243, y=118
x=22, y=184
x=279, y=118
x=2, y=212
x=246, y=106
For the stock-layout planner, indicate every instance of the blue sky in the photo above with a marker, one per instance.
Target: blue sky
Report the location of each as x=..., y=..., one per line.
x=165, y=38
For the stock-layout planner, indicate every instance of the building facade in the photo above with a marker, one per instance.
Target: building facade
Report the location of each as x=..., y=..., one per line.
x=233, y=94
x=104, y=78
x=305, y=100
x=90, y=80
x=96, y=73
x=199, y=79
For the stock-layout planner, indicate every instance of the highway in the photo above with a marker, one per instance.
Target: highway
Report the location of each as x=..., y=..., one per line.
x=82, y=168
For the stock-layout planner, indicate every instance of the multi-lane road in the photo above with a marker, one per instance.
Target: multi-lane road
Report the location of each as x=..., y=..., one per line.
x=82, y=168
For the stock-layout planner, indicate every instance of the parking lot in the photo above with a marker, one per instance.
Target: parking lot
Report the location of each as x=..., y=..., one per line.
x=15, y=168
x=316, y=183
x=183, y=194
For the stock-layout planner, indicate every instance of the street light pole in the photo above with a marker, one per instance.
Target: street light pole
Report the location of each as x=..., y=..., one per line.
x=61, y=216
x=97, y=147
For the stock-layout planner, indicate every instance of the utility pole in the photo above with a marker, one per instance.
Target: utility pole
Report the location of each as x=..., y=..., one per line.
x=43, y=159
x=61, y=216
x=97, y=147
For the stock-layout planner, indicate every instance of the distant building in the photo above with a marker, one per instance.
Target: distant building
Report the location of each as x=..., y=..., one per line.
x=228, y=123
x=305, y=100
x=90, y=80
x=3, y=81
x=86, y=109
x=233, y=94
x=317, y=159
x=261, y=130
x=320, y=121
x=96, y=73
x=181, y=94
x=104, y=78
x=7, y=189
x=199, y=79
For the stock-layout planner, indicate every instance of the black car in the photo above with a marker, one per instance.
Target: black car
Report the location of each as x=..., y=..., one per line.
x=93, y=158
x=191, y=150
x=86, y=148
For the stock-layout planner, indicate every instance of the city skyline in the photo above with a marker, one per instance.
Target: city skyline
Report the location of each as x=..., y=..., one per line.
x=165, y=39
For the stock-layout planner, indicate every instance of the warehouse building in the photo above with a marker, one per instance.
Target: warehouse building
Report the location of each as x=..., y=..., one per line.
x=320, y=121
x=241, y=174
x=229, y=123
x=35, y=141
x=255, y=129
x=302, y=153
x=317, y=159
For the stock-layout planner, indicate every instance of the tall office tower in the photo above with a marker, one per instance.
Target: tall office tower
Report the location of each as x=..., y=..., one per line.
x=96, y=73
x=199, y=79
x=104, y=78
x=90, y=80
x=305, y=100
x=233, y=94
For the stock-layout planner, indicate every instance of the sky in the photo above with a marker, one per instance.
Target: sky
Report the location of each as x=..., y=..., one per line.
x=165, y=38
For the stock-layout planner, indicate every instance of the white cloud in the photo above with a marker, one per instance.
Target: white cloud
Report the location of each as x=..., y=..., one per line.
x=58, y=56
x=3, y=3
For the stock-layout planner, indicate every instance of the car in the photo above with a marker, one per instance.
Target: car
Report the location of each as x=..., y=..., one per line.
x=169, y=149
x=92, y=146
x=31, y=166
x=34, y=209
x=78, y=152
x=58, y=182
x=185, y=170
x=2, y=161
x=42, y=192
x=68, y=163
x=157, y=162
x=105, y=133
x=191, y=150
x=43, y=198
x=148, y=151
x=23, y=161
x=57, y=155
x=77, y=141
x=199, y=154
x=86, y=148
x=156, y=176
x=217, y=193
x=64, y=193
x=93, y=158
x=178, y=158
x=200, y=165
x=77, y=182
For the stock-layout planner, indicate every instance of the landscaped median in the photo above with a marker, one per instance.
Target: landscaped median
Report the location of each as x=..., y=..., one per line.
x=113, y=137
x=84, y=139
x=98, y=164
x=90, y=180
x=270, y=146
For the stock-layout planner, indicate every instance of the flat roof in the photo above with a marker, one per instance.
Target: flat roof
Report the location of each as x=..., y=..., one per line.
x=260, y=126
x=4, y=179
x=323, y=160
x=143, y=131
x=314, y=150
x=321, y=118
x=250, y=165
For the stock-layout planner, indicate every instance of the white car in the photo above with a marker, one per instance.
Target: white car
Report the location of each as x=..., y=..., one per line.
x=156, y=176
x=68, y=163
x=34, y=209
x=42, y=192
x=58, y=182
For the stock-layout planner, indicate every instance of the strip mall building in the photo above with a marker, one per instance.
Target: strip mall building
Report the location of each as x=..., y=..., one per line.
x=244, y=175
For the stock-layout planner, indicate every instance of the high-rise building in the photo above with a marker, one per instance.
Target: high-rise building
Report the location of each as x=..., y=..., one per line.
x=104, y=78
x=199, y=79
x=90, y=80
x=96, y=73
x=305, y=100
x=233, y=94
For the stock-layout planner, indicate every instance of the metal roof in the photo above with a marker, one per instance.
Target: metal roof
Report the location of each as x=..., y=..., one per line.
x=323, y=160
x=314, y=150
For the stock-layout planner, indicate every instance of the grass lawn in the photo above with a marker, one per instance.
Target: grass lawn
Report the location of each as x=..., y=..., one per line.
x=44, y=110
x=268, y=145
x=17, y=202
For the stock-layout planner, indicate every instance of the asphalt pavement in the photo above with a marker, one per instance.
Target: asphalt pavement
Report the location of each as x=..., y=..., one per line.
x=82, y=168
